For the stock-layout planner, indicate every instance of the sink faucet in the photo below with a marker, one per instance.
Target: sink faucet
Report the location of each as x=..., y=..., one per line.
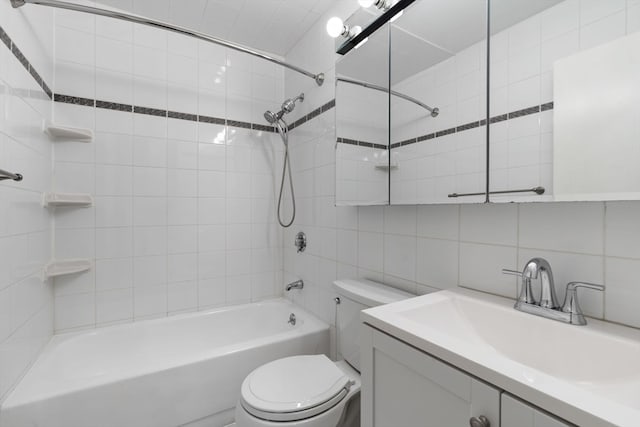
x=540, y=267
x=547, y=305
x=298, y=284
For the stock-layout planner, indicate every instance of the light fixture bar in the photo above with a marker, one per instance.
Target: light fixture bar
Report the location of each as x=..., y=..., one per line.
x=137, y=19
x=373, y=27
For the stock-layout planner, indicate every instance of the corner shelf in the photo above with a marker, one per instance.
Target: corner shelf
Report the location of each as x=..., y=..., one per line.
x=64, y=267
x=67, y=199
x=56, y=131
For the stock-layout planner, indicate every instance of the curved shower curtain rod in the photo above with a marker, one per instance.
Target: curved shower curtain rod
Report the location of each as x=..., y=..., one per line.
x=434, y=111
x=319, y=78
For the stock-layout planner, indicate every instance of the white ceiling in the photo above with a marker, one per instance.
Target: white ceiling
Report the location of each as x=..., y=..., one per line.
x=273, y=26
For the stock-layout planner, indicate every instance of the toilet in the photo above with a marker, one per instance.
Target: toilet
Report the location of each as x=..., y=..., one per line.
x=312, y=390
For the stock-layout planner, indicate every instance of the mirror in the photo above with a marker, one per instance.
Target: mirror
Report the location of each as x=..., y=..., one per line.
x=564, y=100
x=438, y=144
x=564, y=116
x=362, y=123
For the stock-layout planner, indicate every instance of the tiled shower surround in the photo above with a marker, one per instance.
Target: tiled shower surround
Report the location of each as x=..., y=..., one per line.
x=183, y=170
x=26, y=302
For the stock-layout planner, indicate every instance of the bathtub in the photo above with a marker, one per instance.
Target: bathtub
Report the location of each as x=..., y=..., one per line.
x=178, y=371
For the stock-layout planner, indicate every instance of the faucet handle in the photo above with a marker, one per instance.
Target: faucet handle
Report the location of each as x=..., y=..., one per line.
x=572, y=286
x=512, y=272
x=526, y=294
x=571, y=305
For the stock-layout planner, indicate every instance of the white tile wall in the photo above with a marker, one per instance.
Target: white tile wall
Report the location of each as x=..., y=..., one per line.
x=26, y=302
x=426, y=248
x=184, y=215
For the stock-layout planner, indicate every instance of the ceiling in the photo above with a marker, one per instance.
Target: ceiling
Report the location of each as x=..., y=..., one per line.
x=273, y=26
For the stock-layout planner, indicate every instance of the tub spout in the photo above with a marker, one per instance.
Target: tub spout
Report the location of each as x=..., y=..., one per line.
x=298, y=284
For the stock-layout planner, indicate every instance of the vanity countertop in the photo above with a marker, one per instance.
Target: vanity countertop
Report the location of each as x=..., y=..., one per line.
x=588, y=375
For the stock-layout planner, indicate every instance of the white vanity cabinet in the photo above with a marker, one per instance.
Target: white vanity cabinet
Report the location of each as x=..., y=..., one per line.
x=516, y=413
x=405, y=387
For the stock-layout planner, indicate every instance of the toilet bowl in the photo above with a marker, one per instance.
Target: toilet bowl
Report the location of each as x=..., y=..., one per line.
x=312, y=390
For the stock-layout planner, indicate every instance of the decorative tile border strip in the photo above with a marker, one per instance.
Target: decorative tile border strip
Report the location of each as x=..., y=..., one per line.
x=115, y=106
x=75, y=100
x=496, y=119
x=13, y=48
x=315, y=113
x=348, y=141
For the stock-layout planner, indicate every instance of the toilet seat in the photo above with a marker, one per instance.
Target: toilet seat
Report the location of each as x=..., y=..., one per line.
x=294, y=388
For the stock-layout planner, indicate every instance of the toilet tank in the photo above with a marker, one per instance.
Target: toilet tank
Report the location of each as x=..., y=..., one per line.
x=355, y=296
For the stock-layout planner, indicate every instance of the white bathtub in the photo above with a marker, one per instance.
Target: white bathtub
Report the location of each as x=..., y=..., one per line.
x=166, y=372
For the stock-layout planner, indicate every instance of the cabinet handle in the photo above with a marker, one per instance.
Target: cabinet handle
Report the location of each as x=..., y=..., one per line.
x=480, y=421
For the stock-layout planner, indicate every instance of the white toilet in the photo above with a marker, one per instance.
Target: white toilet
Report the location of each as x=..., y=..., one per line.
x=313, y=391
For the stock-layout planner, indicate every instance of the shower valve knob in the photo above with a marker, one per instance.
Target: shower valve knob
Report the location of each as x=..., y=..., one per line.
x=301, y=242
x=480, y=421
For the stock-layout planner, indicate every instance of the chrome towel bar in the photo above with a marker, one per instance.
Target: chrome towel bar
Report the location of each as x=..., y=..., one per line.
x=537, y=190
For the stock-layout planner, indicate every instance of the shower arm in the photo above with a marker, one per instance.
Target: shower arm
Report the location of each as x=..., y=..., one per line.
x=137, y=19
x=434, y=111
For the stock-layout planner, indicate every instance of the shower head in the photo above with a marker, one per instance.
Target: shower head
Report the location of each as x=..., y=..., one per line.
x=272, y=117
x=287, y=106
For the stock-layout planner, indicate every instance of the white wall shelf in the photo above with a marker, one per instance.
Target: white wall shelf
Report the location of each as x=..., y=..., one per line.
x=67, y=199
x=63, y=267
x=56, y=131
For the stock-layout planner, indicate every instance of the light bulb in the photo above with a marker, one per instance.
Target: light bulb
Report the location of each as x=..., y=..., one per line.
x=366, y=3
x=335, y=27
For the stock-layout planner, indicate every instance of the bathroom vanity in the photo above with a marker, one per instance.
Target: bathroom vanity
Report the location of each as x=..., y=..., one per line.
x=461, y=358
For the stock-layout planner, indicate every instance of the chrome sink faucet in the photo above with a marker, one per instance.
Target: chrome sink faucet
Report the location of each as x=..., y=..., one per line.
x=540, y=267
x=547, y=305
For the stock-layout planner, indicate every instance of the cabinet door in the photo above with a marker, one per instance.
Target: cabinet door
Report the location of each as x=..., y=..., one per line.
x=516, y=413
x=404, y=387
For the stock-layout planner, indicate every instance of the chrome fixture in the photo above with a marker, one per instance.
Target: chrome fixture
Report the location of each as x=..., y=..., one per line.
x=383, y=5
x=8, y=175
x=538, y=190
x=123, y=16
x=292, y=319
x=287, y=107
x=571, y=306
x=480, y=421
x=298, y=284
x=277, y=120
x=434, y=111
x=336, y=28
x=301, y=242
x=547, y=305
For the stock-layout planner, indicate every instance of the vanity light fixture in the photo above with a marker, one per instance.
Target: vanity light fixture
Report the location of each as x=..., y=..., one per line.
x=337, y=28
x=383, y=5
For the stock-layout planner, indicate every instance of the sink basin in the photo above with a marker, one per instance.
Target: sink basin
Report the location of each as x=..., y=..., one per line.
x=565, y=351
x=593, y=369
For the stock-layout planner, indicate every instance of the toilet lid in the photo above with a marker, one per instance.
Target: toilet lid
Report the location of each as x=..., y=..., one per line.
x=294, y=388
